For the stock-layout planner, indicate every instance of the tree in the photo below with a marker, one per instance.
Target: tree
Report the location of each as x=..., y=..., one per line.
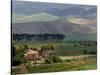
x=26, y=47
x=93, y=52
x=13, y=50
x=85, y=52
x=49, y=46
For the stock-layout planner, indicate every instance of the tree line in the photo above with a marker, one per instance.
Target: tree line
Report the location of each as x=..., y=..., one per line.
x=38, y=37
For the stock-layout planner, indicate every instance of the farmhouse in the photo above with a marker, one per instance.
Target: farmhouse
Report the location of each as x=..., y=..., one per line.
x=47, y=53
x=31, y=55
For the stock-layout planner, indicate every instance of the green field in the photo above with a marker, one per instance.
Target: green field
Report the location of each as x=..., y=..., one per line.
x=87, y=67
x=61, y=48
x=83, y=64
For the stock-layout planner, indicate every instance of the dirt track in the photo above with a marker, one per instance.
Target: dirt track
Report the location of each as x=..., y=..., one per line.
x=75, y=57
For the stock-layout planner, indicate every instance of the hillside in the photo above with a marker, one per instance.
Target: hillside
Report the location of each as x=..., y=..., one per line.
x=40, y=17
x=76, y=22
x=71, y=30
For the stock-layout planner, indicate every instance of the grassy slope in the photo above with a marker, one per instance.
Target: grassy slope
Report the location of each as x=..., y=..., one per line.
x=34, y=18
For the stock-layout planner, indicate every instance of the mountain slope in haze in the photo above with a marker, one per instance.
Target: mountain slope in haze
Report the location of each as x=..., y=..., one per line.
x=70, y=30
x=61, y=10
x=54, y=23
x=90, y=23
x=58, y=26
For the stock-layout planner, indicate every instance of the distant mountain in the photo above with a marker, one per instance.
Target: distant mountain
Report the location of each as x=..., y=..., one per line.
x=79, y=11
x=30, y=8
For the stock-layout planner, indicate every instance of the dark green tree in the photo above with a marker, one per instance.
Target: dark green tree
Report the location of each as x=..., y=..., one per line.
x=13, y=50
x=85, y=52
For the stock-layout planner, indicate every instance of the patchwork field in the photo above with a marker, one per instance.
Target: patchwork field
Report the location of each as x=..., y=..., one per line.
x=61, y=48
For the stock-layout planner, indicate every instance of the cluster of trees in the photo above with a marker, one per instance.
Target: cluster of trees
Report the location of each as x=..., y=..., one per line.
x=89, y=52
x=88, y=43
x=39, y=37
x=45, y=47
x=18, y=54
x=19, y=51
x=85, y=43
x=82, y=42
x=52, y=58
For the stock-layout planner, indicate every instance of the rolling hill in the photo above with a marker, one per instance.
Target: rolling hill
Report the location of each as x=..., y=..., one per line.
x=40, y=17
x=71, y=30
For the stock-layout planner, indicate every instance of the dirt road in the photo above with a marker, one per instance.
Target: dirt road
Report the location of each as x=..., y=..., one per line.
x=75, y=57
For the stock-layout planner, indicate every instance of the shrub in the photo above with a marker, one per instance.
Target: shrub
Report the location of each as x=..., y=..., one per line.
x=17, y=61
x=75, y=45
x=53, y=59
x=56, y=59
x=48, y=61
x=68, y=60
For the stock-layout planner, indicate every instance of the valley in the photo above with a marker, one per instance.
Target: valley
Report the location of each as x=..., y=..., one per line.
x=53, y=37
